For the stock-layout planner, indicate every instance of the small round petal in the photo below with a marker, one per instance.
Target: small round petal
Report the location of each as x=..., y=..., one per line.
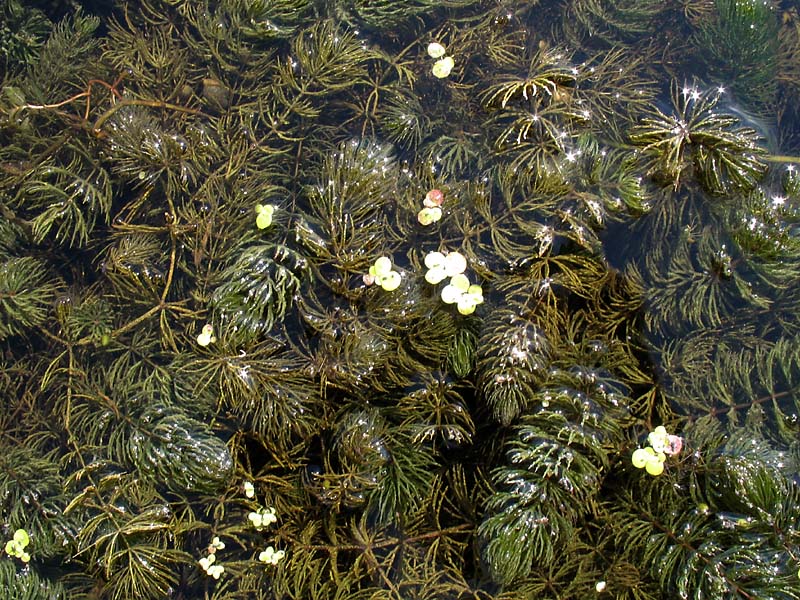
x=391, y=281
x=450, y=294
x=249, y=489
x=434, y=259
x=466, y=306
x=433, y=198
x=658, y=438
x=442, y=67
x=640, y=458
x=383, y=266
x=21, y=537
x=476, y=293
x=674, y=445
x=263, y=221
x=654, y=467
x=435, y=275
x=436, y=50
x=460, y=282
x=455, y=264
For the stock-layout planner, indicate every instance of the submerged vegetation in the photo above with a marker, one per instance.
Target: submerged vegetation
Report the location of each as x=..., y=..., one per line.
x=284, y=314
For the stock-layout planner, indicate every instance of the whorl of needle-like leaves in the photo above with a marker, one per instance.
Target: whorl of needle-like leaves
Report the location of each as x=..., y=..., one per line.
x=26, y=294
x=135, y=265
x=702, y=284
x=355, y=188
x=739, y=46
x=697, y=141
x=554, y=469
x=149, y=439
x=66, y=196
x=148, y=154
x=370, y=464
x=391, y=14
x=62, y=59
x=205, y=464
x=22, y=33
x=258, y=287
x=437, y=412
x=28, y=584
x=405, y=121
x=512, y=361
x=612, y=23
x=531, y=118
x=31, y=486
x=266, y=387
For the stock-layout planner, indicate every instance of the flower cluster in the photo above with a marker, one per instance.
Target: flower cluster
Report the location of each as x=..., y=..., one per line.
x=264, y=214
x=383, y=274
x=431, y=211
x=16, y=545
x=263, y=517
x=458, y=291
x=208, y=563
x=444, y=64
x=652, y=457
x=271, y=556
x=206, y=336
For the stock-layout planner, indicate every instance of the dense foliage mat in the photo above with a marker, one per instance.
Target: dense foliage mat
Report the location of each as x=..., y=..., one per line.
x=296, y=306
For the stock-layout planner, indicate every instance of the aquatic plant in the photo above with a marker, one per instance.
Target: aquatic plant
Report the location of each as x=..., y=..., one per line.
x=739, y=42
x=235, y=362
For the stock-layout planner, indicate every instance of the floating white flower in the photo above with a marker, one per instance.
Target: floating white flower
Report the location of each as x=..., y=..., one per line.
x=443, y=66
x=215, y=571
x=441, y=266
x=271, y=556
x=249, y=489
x=206, y=336
x=215, y=545
x=436, y=50
x=465, y=296
x=17, y=544
x=382, y=273
x=264, y=214
x=652, y=457
x=429, y=215
x=263, y=517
